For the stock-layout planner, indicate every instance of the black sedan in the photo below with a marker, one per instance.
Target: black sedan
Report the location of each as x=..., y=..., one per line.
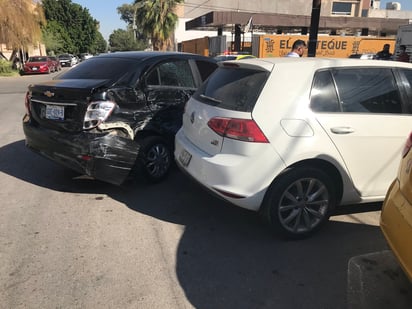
x=114, y=113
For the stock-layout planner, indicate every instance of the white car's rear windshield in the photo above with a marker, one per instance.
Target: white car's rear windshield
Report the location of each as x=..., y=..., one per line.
x=232, y=88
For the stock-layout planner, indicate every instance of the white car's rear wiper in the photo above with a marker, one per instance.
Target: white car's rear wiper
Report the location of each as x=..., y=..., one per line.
x=210, y=98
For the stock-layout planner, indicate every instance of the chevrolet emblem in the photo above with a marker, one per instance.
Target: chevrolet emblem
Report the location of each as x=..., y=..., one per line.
x=49, y=94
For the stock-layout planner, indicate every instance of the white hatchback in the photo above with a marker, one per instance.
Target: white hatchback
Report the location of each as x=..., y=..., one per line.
x=293, y=138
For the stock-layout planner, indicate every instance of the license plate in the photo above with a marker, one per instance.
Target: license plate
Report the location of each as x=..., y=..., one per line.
x=185, y=157
x=34, y=68
x=54, y=112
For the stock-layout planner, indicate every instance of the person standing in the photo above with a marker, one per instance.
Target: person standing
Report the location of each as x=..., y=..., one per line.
x=298, y=48
x=403, y=55
x=384, y=54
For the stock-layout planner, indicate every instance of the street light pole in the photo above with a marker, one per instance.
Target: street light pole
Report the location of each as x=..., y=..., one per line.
x=314, y=26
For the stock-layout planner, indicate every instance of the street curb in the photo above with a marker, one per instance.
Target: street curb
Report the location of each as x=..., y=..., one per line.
x=376, y=281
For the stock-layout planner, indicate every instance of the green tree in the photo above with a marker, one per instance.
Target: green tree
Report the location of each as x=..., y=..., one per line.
x=158, y=20
x=56, y=38
x=123, y=40
x=128, y=14
x=99, y=46
x=77, y=22
x=20, y=22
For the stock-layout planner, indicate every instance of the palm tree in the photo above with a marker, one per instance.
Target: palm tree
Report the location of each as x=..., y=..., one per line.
x=158, y=20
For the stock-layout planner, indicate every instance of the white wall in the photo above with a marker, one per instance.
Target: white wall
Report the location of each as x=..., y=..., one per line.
x=195, y=8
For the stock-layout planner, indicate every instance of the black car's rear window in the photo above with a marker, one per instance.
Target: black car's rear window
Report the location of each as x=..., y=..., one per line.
x=102, y=68
x=232, y=88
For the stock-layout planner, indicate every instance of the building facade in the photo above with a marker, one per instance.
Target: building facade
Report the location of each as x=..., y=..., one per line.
x=338, y=17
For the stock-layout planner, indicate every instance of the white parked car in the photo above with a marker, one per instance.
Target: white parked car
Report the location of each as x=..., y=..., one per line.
x=67, y=60
x=293, y=138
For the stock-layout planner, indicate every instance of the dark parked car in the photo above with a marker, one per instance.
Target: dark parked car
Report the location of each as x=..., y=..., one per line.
x=114, y=113
x=85, y=56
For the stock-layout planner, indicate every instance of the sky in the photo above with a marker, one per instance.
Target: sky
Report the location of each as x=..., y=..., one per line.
x=105, y=12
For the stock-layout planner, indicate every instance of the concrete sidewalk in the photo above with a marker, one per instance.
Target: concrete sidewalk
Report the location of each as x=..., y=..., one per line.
x=376, y=281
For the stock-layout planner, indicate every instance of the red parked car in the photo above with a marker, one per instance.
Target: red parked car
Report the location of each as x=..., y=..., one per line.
x=38, y=64
x=56, y=62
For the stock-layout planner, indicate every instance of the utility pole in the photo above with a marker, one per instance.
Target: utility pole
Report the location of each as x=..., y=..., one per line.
x=136, y=6
x=134, y=22
x=314, y=26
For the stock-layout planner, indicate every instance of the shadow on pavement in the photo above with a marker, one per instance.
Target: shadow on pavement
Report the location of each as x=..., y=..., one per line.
x=226, y=257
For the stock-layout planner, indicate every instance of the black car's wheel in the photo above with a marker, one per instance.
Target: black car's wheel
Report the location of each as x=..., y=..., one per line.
x=154, y=159
x=299, y=202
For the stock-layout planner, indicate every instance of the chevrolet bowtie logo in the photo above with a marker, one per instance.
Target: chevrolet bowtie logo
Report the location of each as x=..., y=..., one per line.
x=49, y=94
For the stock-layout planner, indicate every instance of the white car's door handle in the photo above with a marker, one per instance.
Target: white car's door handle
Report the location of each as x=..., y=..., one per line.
x=342, y=130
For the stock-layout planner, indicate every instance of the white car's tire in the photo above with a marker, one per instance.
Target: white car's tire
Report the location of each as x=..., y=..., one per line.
x=299, y=202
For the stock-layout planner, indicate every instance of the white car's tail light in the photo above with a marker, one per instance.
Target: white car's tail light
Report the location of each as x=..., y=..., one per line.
x=239, y=129
x=97, y=112
x=407, y=146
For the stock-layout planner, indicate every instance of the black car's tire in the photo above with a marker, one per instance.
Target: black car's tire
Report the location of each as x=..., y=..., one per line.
x=299, y=202
x=154, y=159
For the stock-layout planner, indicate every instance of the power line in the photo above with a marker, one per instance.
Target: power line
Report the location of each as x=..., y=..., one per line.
x=216, y=7
x=196, y=6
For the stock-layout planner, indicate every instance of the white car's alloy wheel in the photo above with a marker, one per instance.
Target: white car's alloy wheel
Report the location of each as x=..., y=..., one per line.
x=299, y=202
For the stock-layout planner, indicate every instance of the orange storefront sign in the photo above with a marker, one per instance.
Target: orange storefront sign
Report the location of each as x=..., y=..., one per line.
x=327, y=46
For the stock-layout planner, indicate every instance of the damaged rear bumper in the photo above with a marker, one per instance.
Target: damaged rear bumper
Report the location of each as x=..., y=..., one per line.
x=105, y=155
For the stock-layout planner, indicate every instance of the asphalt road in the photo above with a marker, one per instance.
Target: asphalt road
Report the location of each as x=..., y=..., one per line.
x=68, y=242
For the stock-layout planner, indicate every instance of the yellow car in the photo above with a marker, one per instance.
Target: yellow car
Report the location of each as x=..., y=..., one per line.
x=233, y=57
x=396, y=215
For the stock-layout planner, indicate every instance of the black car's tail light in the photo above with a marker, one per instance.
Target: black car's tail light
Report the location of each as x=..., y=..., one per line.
x=27, y=102
x=97, y=112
